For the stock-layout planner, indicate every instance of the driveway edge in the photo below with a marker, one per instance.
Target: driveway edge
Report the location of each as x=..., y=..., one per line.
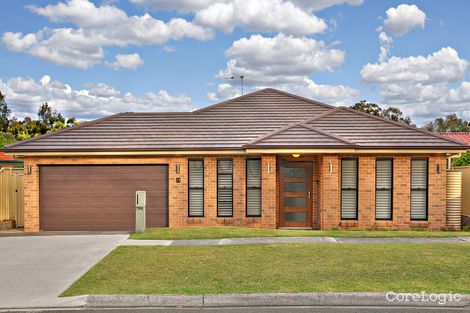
x=358, y=299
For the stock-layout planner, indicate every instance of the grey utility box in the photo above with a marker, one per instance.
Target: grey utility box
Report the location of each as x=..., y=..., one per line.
x=140, y=203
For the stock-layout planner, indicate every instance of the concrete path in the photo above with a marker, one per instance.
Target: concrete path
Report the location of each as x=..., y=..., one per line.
x=281, y=240
x=34, y=271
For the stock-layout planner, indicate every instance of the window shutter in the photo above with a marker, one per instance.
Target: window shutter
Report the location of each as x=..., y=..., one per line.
x=349, y=188
x=253, y=187
x=383, y=192
x=224, y=188
x=196, y=188
x=419, y=186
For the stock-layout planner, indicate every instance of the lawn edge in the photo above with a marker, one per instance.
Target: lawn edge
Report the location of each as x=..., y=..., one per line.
x=263, y=300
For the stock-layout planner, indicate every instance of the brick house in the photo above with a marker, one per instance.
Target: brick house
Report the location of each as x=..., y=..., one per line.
x=266, y=159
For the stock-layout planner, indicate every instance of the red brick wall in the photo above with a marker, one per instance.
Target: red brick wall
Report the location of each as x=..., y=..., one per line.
x=331, y=193
x=328, y=191
x=178, y=192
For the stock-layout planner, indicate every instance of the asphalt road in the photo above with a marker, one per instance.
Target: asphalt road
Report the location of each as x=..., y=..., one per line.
x=263, y=310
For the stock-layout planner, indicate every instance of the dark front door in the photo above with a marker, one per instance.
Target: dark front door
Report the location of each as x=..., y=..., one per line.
x=295, y=207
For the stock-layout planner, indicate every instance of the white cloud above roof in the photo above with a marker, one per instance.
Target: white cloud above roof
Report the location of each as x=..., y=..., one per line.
x=422, y=84
x=186, y=6
x=25, y=95
x=126, y=61
x=279, y=59
x=284, y=62
x=97, y=27
x=261, y=16
x=404, y=18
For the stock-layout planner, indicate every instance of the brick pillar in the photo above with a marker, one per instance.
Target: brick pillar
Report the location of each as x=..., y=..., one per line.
x=437, y=193
x=269, y=203
x=31, y=196
x=401, y=191
x=177, y=192
x=329, y=193
x=210, y=190
x=366, y=192
x=239, y=191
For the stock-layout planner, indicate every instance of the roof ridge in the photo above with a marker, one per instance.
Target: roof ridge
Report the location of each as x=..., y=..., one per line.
x=60, y=131
x=401, y=125
x=261, y=91
x=276, y=131
x=326, y=133
x=301, y=98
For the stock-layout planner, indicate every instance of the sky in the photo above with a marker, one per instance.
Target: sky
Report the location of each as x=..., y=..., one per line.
x=89, y=58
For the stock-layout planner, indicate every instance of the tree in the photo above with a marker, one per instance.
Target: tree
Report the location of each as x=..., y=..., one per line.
x=395, y=114
x=464, y=160
x=6, y=138
x=4, y=113
x=391, y=113
x=368, y=107
x=49, y=119
x=451, y=123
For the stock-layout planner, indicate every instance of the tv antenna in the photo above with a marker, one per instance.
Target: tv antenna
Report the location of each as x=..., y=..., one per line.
x=241, y=80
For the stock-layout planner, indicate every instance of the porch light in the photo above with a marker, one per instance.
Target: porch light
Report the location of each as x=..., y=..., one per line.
x=177, y=168
x=295, y=155
x=330, y=168
x=269, y=167
x=30, y=169
x=438, y=169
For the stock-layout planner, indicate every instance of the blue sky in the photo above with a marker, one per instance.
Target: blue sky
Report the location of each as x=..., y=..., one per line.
x=175, y=54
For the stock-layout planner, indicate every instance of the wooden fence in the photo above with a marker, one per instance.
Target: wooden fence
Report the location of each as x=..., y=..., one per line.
x=11, y=195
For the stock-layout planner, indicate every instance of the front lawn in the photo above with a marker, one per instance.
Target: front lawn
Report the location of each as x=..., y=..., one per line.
x=279, y=268
x=244, y=232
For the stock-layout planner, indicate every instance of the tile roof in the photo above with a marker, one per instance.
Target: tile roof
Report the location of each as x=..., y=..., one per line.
x=4, y=157
x=460, y=136
x=265, y=118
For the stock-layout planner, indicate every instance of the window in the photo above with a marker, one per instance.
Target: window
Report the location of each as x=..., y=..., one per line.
x=419, y=189
x=196, y=188
x=383, y=189
x=349, y=189
x=224, y=187
x=253, y=187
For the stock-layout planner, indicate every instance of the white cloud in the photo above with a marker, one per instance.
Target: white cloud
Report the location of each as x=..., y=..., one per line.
x=65, y=46
x=279, y=59
x=184, y=6
x=398, y=22
x=187, y=6
x=224, y=91
x=331, y=94
x=24, y=96
x=444, y=65
x=97, y=27
x=260, y=15
x=283, y=62
x=403, y=18
x=126, y=61
x=421, y=84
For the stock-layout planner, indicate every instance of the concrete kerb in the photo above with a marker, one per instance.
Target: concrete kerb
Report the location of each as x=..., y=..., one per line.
x=262, y=300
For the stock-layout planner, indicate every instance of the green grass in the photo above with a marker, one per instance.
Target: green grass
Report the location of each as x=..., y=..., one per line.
x=243, y=232
x=279, y=268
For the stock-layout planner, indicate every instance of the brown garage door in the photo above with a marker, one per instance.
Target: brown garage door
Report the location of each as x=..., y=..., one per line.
x=101, y=197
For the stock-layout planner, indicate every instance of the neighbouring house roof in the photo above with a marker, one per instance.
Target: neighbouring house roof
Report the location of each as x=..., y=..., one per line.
x=460, y=136
x=7, y=159
x=4, y=157
x=267, y=118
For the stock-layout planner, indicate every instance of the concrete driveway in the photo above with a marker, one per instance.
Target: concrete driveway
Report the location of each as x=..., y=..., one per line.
x=35, y=270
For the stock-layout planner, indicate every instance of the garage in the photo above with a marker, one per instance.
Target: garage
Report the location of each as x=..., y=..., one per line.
x=101, y=197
